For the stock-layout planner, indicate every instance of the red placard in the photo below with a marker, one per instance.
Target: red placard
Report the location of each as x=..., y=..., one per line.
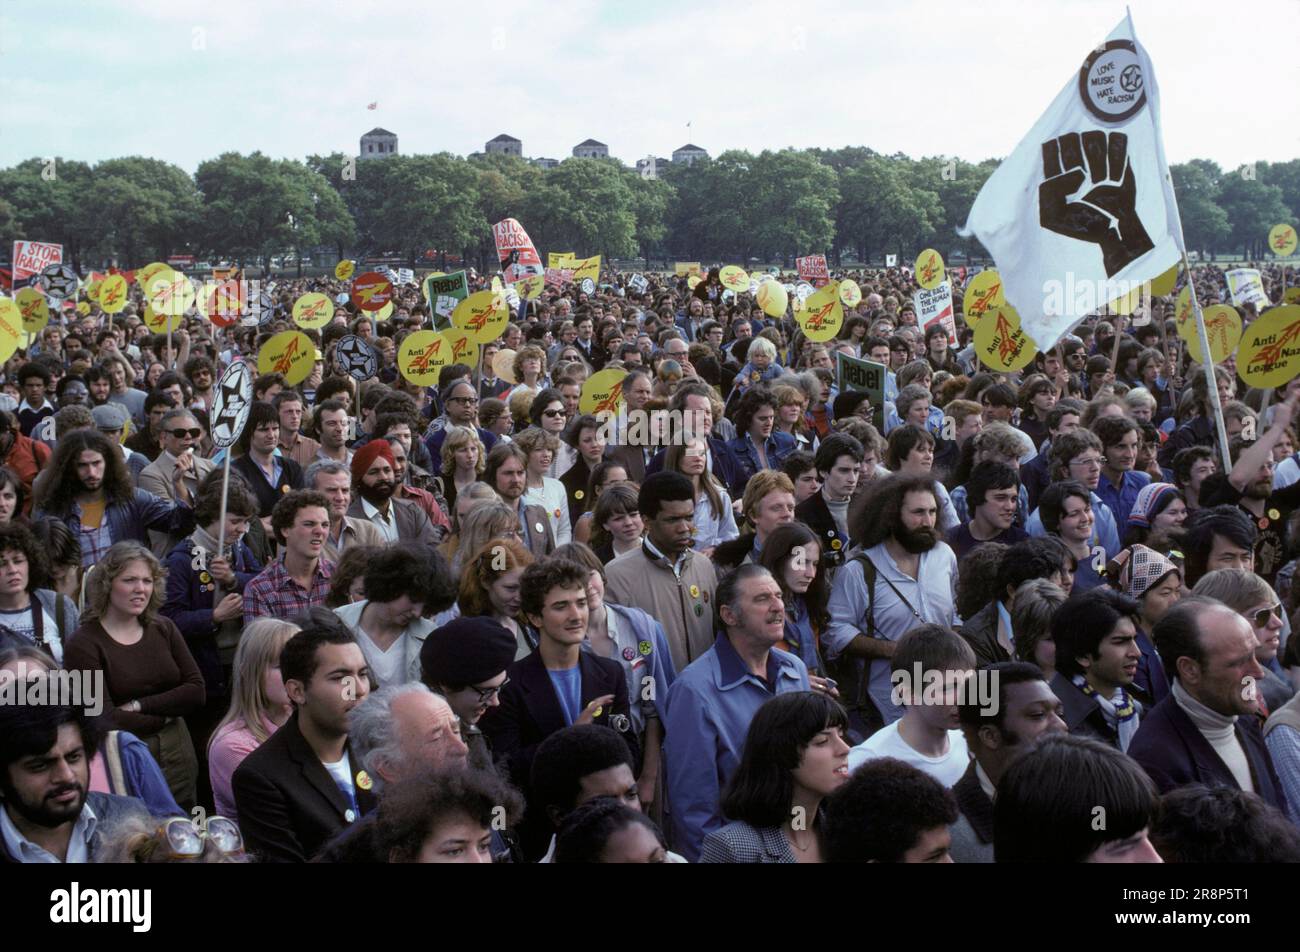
x=371, y=291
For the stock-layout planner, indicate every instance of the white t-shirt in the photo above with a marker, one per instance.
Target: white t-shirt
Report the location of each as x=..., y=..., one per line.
x=341, y=772
x=388, y=667
x=552, y=497
x=887, y=742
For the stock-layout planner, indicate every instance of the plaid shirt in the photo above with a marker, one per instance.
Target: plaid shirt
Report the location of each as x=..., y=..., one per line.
x=273, y=592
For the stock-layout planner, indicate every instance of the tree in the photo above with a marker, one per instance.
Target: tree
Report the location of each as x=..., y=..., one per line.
x=793, y=198
x=147, y=209
x=590, y=210
x=50, y=200
x=1196, y=189
x=247, y=204
x=1252, y=208
x=650, y=201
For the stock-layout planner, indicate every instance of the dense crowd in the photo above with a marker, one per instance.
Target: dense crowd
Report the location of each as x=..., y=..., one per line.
x=471, y=622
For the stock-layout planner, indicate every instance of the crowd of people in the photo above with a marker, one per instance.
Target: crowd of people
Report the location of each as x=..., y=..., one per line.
x=472, y=623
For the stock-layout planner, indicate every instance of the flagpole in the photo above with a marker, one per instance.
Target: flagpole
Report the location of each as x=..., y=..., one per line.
x=1207, y=365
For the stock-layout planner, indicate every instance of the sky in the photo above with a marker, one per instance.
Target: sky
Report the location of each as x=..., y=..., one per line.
x=184, y=80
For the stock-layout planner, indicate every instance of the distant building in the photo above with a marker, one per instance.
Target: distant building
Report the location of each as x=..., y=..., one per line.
x=545, y=163
x=504, y=145
x=591, y=149
x=688, y=153
x=378, y=144
x=651, y=167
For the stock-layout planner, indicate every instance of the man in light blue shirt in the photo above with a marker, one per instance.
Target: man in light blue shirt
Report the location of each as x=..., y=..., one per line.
x=915, y=579
x=712, y=702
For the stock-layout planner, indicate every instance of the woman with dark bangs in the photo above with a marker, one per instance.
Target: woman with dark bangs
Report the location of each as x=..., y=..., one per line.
x=796, y=754
x=792, y=553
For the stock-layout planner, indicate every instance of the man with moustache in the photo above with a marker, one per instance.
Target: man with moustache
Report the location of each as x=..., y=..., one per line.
x=904, y=577
x=374, y=481
x=47, y=814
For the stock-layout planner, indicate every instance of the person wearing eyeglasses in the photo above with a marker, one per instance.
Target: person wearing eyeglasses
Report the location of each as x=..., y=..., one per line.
x=1077, y=457
x=465, y=661
x=215, y=839
x=1254, y=599
x=179, y=434
x=459, y=401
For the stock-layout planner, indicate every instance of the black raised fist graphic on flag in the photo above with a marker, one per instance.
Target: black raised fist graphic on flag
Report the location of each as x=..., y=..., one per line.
x=1090, y=193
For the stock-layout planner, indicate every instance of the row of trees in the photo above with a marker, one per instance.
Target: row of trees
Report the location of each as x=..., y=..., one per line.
x=851, y=203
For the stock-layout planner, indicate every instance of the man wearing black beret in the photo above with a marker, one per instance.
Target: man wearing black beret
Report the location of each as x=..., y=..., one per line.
x=465, y=661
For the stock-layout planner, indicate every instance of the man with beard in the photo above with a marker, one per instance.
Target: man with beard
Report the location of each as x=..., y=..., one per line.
x=505, y=473
x=1250, y=486
x=334, y=480
x=304, y=784
x=903, y=578
x=374, y=481
x=47, y=814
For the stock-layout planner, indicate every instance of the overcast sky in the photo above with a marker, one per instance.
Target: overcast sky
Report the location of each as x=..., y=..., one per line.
x=184, y=80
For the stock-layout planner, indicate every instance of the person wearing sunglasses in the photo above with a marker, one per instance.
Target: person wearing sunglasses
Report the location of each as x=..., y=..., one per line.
x=215, y=839
x=1252, y=598
x=178, y=434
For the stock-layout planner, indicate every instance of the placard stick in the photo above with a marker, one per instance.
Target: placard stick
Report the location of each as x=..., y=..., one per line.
x=1207, y=366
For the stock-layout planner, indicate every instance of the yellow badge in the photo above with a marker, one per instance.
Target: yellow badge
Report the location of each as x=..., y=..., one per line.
x=364, y=781
x=1274, y=514
x=578, y=494
x=836, y=544
x=205, y=578
x=596, y=713
x=695, y=591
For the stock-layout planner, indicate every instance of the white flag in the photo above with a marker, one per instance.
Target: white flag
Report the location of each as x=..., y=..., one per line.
x=1083, y=210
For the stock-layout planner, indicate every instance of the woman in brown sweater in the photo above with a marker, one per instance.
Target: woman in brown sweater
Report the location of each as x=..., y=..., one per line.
x=150, y=678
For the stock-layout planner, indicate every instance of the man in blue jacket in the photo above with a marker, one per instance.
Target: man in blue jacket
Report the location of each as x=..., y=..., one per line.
x=712, y=702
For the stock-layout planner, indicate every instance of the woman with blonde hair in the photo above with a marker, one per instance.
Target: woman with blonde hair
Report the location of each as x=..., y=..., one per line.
x=151, y=679
x=462, y=461
x=791, y=404
x=258, y=705
x=491, y=520
x=1254, y=600
x=530, y=371
x=490, y=587
x=541, y=489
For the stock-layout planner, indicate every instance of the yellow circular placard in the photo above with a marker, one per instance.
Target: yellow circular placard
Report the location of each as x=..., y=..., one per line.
x=384, y=313
x=112, y=294
x=483, y=316
x=983, y=294
x=34, y=309
x=91, y=289
x=345, y=269
x=1184, y=316
x=822, y=313
x=693, y=281
x=1270, y=349
x=143, y=275
x=168, y=291
x=1222, y=330
x=929, y=269
x=1282, y=240
x=290, y=353
x=772, y=298
x=83, y=308
x=1291, y=296
x=11, y=327
x=1000, y=343
x=423, y=354
x=850, y=293
x=159, y=323
x=313, y=310
x=603, y=392
x=1163, y=284
x=734, y=278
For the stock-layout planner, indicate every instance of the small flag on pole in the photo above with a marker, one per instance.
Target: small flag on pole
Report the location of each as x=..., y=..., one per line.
x=1083, y=210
